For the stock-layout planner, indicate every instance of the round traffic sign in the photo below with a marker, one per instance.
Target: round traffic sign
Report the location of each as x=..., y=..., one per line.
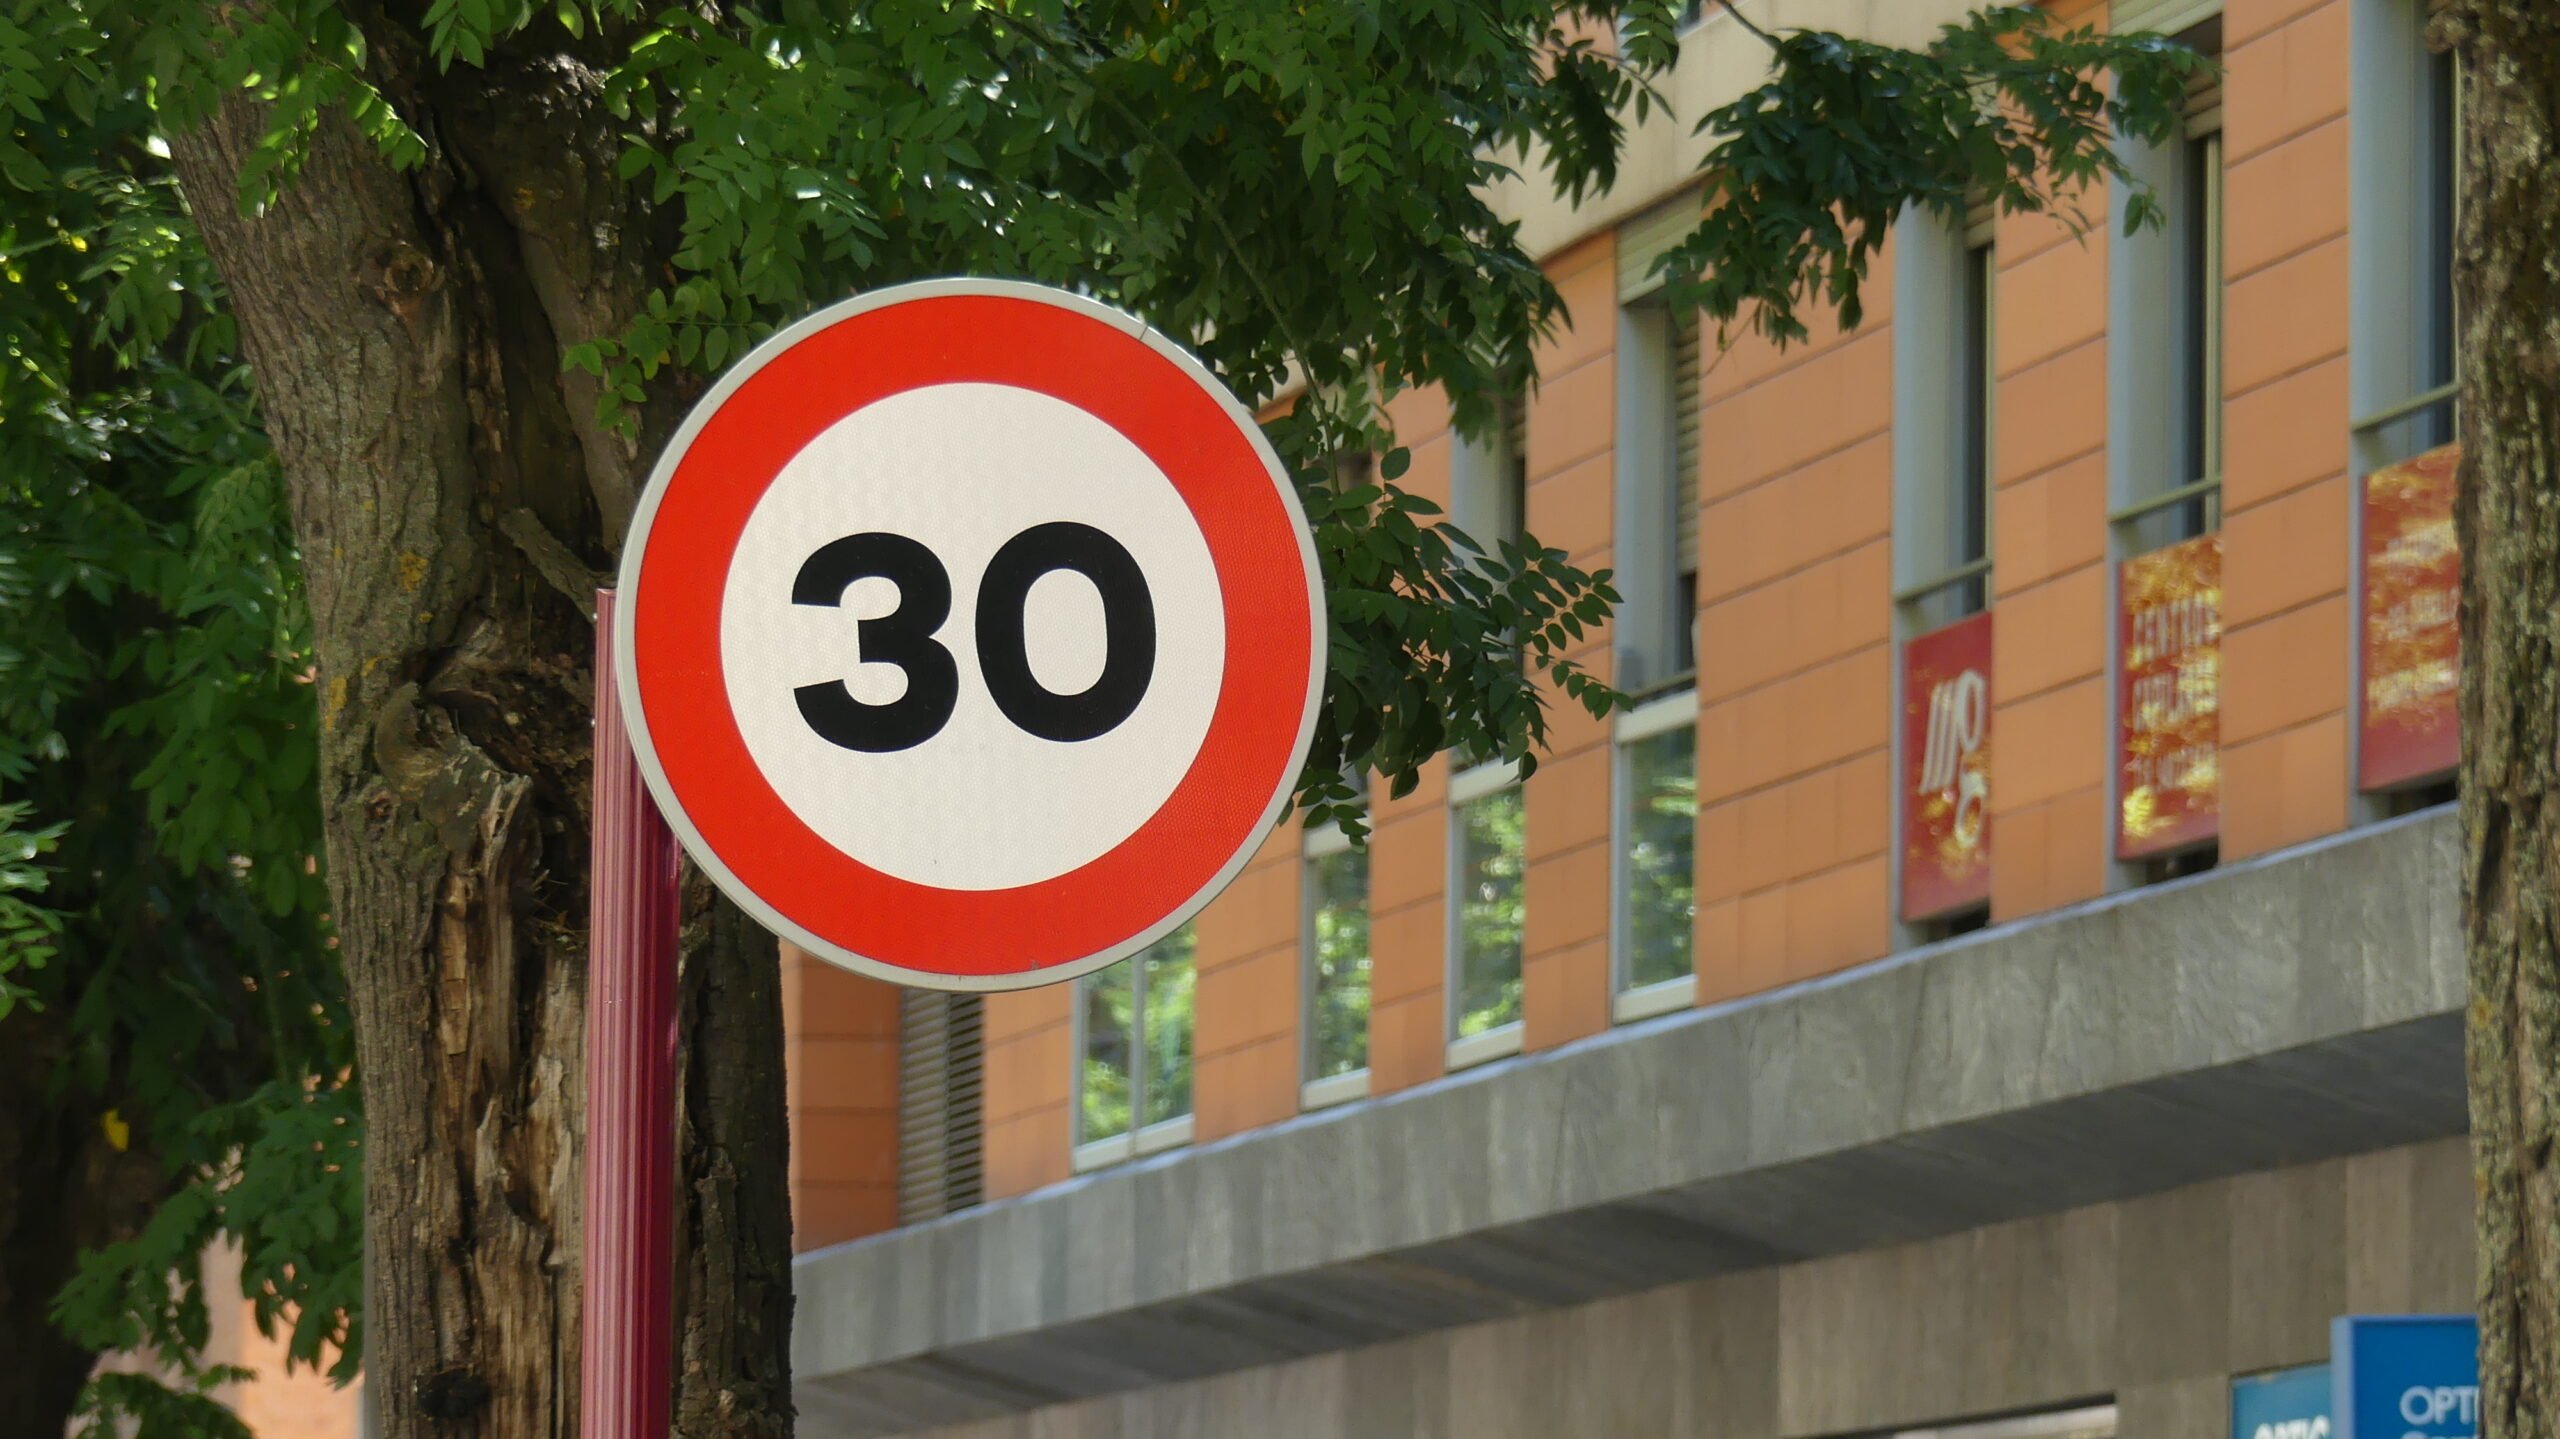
x=971, y=634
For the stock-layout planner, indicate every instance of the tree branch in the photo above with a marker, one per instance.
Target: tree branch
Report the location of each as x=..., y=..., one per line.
x=1042, y=41
x=1745, y=22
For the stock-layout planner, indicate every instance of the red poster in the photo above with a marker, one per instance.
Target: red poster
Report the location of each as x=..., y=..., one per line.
x=2412, y=623
x=2169, y=699
x=1946, y=746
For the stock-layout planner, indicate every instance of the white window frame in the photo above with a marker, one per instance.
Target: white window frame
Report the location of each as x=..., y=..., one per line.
x=2388, y=64
x=2146, y=362
x=1931, y=256
x=1649, y=627
x=1155, y=1138
x=1320, y=842
x=1465, y=787
x=1628, y=1003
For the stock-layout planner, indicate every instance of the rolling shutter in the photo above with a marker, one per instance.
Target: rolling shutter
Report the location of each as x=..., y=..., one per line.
x=941, y=1066
x=1685, y=379
x=2163, y=17
x=1646, y=239
x=2203, y=109
x=1514, y=499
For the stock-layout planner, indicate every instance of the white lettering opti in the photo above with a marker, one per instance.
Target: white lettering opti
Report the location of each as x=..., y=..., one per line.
x=2436, y=1404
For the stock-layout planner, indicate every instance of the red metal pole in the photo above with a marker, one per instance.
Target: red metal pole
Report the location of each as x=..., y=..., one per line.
x=626, y=1384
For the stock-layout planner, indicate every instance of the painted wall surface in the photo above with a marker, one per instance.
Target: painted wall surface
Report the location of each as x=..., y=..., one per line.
x=1796, y=845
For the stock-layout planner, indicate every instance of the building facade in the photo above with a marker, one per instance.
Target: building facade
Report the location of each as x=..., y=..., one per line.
x=2001, y=978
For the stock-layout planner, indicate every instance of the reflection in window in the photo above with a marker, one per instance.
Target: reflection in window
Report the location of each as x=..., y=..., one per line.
x=1488, y=900
x=1103, y=1097
x=1337, y=956
x=1136, y=1020
x=1658, y=835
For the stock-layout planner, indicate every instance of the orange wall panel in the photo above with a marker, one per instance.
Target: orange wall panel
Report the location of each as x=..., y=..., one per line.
x=1030, y=1067
x=2050, y=698
x=1246, y=1000
x=840, y=1088
x=1794, y=663
x=1564, y=951
x=2286, y=616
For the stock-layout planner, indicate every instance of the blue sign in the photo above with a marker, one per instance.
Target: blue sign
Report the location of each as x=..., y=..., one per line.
x=2288, y=1404
x=2405, y=1376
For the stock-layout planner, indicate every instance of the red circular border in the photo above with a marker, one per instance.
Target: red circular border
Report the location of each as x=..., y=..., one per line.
x=1187, y=431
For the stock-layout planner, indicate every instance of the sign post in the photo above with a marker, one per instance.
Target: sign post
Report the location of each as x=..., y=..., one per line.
x=626, y=1348
x=969, y=635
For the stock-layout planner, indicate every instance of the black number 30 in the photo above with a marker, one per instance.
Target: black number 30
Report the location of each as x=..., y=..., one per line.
x=904, y=637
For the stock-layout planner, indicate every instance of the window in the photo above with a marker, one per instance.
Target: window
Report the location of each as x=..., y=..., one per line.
x=1946, y=279
x=1133, y=1054
x=941, y=1069
x=1335, y=936
x=1657, y=457
x=1489, y=479
x=1486, y=855
x=1656, y=877
x=2168, y=396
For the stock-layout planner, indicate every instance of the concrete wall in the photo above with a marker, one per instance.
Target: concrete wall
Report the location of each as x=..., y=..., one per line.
x=2154, y=1303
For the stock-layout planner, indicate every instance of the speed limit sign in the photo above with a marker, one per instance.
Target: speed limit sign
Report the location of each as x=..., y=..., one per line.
x=973, y=635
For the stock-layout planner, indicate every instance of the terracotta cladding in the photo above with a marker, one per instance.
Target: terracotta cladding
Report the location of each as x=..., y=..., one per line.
x=1796, y=665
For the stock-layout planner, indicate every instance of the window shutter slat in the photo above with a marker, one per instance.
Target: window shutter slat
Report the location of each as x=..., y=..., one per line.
x=1685, y=379
x=2203, y=109
x=941, y=1064
x=2164, y=17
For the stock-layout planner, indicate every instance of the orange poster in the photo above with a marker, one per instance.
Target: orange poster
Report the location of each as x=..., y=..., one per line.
x=2412, y=623
x=2169, y=699
x=1946, y=726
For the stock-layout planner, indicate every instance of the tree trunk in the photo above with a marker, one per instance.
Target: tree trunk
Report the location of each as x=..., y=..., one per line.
x=2507, y=278
x=455, y=502
x=733, y=1261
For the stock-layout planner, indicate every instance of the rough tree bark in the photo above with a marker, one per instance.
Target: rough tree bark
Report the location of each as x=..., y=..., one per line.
x=454, y=501
x=2507, y=279
x=733, y=1264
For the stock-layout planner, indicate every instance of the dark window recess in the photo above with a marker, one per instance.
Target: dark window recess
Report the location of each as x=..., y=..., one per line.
x=2419, y=797
x=1948, y=926
x=2178, y=866
x=941, y=1073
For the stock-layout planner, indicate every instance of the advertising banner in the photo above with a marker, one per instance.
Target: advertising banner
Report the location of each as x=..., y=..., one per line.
x=2169, y=699
x=2409, y=729
x=1946, y=746
x=2405, y=1376
x=2287, y=1404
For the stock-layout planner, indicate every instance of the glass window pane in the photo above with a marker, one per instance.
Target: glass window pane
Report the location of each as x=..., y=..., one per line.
x=1102, y=1094
x=1338, y=964
x=1167, y=1033
x=1489, y=911
x=1659, y=831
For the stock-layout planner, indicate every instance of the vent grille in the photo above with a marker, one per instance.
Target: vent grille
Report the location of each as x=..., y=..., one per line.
x=1685, y=379
x=941, y=1073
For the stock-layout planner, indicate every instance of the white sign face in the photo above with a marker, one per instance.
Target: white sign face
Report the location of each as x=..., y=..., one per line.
x=972, y=635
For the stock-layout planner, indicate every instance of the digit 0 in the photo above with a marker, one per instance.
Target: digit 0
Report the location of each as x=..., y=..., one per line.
x=905, y=637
